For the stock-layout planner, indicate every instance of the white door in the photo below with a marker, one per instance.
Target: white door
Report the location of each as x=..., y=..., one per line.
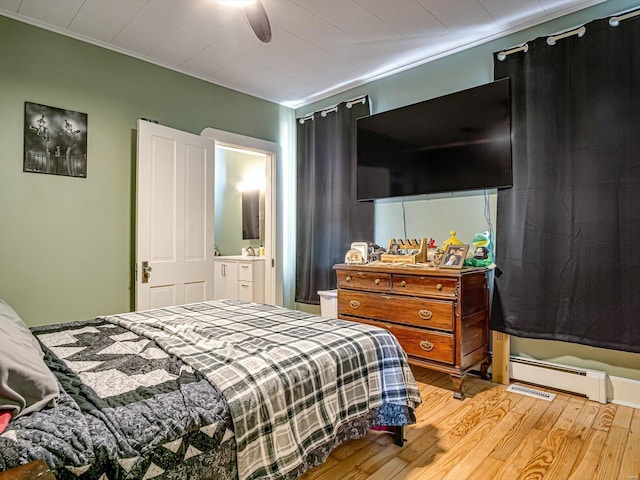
x=174, y=217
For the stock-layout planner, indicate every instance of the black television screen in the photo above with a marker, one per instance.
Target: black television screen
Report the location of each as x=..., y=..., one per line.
x=457, y=142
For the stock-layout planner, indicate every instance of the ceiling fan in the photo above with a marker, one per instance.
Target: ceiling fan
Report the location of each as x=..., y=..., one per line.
x=256, y=16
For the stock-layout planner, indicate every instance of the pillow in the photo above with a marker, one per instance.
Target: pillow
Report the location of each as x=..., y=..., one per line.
x=5, y=416
x=26, y=383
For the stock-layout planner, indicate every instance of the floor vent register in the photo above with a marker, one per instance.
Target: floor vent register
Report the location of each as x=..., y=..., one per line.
x=531, y=392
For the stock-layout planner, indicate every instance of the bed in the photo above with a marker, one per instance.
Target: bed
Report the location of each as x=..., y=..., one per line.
x=213, y=390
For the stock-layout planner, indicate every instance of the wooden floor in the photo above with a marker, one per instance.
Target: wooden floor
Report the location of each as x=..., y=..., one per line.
x=495, y=434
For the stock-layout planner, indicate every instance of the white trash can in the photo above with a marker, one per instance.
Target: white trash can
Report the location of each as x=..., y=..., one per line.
x=328, y=303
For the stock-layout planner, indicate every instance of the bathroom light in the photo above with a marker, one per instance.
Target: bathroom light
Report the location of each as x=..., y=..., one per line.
x=236, y=3
x=252, y=183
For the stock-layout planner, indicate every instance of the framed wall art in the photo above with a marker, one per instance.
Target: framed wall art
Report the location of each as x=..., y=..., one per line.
x=55, y=141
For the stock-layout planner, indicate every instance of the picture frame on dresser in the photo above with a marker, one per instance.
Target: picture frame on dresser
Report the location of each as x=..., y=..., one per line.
x=454, y=256
x=363, y=247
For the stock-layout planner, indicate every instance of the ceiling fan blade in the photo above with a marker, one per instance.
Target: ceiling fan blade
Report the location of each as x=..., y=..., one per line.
x=256, y=15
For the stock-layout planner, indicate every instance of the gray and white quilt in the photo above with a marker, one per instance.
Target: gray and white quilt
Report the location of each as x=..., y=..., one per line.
x=217, y=390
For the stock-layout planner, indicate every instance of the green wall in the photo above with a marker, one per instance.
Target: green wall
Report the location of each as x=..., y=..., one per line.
x=435, y=217
x=66, y=244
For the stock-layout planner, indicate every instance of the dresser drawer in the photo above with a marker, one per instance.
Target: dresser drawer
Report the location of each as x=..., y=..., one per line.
x=424, y=285
x=364, y=280
x=425, y=344
x=418, y=312
x=245, y=291
x=245, y=271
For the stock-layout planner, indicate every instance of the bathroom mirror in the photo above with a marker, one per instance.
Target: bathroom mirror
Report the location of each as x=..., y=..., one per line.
x=239, y=177
x=253, y=215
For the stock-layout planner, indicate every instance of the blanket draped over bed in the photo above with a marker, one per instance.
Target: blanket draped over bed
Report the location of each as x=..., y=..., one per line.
x=212, y=391
x=290, y=379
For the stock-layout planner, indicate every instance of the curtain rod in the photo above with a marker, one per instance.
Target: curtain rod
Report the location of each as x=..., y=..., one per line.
x=308, y=116
x=615, y=21
x=353, y=101
x=551, y=40
x=332, y=108
x=522, y=48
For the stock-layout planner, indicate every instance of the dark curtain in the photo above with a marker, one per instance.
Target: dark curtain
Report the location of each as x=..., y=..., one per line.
x=329, y=217
x=568, y=232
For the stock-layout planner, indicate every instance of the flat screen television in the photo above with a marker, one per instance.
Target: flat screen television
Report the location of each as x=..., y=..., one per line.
x=457, y=142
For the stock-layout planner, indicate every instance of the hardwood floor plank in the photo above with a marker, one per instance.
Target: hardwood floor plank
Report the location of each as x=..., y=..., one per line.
x=341, y=469
x=630, y=465
x=527, y=403
x=594, y=444
x=445, y=419
x=544, y=456
x=471, y=430
x=495, y=435
x=552, y=413
x=518, y=460
x=347, y=449
x=623, y=416
x=389, y=470
x=488, y=469
x=381, y=459
x=605, y=417
x=466, y=466
x=611, y=456
x=515, y=436
x=589, y=456
x=569, y=449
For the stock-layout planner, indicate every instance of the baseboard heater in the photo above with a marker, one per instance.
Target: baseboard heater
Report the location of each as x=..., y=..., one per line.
x=590, y=383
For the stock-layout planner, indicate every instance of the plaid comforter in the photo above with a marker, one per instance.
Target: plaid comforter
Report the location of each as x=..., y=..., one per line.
x=290, y=378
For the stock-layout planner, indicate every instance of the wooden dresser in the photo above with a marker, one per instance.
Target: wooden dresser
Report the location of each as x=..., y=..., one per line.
x=439, y=316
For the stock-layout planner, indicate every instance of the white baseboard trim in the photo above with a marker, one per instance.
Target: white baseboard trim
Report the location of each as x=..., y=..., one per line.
x=624, y=391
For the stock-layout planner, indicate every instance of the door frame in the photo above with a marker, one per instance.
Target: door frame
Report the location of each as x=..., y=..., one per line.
x=272, y=152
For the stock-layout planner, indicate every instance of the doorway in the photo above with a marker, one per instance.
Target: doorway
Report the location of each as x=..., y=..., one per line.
x=269, y=151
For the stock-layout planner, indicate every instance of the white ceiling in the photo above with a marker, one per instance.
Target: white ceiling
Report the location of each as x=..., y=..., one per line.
x=319, y=47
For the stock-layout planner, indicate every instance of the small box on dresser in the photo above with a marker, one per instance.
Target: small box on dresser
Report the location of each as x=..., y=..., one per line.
x=439, y=316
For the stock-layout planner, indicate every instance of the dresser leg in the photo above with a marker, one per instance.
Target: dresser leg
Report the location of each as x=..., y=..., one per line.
x=484, y=368
x=457, y=386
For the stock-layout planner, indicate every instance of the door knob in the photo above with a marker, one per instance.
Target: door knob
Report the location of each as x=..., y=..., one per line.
x=146, y=272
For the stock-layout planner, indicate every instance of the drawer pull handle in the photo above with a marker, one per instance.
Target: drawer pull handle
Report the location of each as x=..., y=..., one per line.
x=355, y=304
x=377, y=281
x=425, y=314
x=439, y=286
x=403, y=283
x=348, y=279
x=427, y=346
